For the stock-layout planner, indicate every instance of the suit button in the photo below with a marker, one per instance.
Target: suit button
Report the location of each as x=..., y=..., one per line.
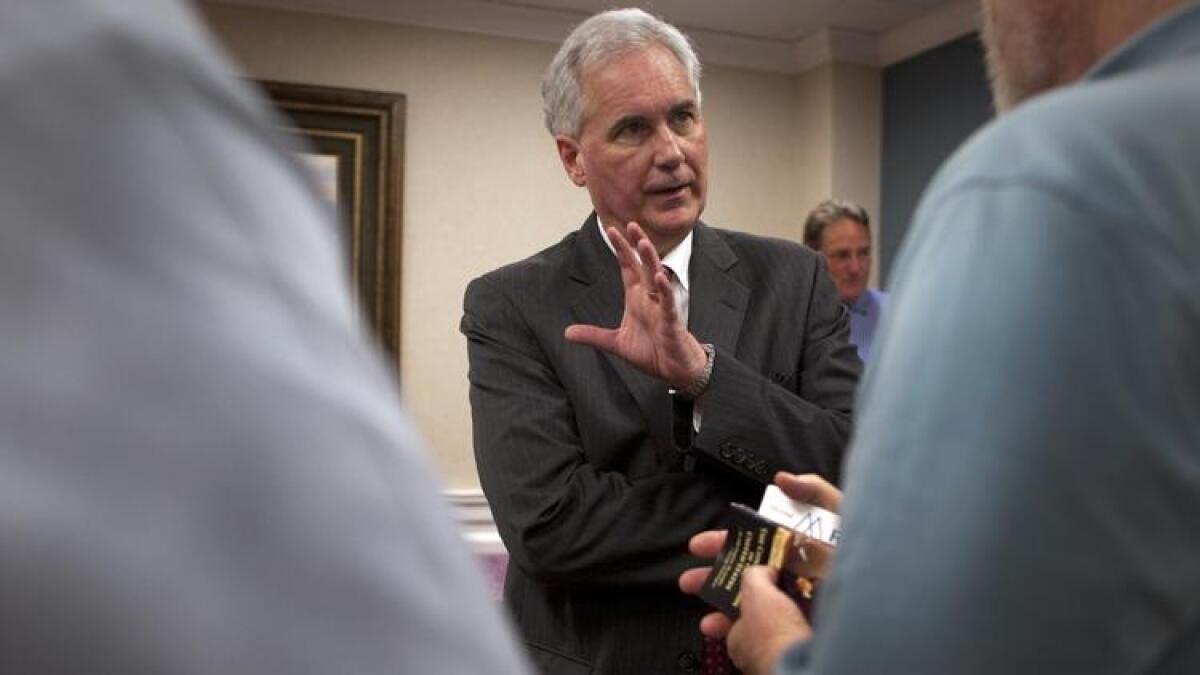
x=688, y=662
x=726, y=451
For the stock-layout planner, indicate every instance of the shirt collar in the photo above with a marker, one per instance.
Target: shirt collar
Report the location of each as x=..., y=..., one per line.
x=679, y=259
x=865, y=303
x=1166, y=39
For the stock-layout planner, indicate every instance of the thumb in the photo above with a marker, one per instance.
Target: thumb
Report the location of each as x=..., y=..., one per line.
x=757, y=578
x=811, y=489
x=604, y=339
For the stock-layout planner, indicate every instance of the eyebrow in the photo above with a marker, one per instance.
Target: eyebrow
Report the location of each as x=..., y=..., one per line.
x=683, y=106
x=625, y=121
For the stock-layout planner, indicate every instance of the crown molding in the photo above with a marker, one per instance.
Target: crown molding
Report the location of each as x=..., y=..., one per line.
x=940, y=26
x=464, y=16
x=744, y=52
x=835, y=44
x=716, y=48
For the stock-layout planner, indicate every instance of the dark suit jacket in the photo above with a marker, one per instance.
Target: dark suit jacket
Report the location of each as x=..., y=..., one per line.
x=575, y=448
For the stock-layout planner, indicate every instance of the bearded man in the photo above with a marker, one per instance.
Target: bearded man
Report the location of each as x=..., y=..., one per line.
x=1023, y=487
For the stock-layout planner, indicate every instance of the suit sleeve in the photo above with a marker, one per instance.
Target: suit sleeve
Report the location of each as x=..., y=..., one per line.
x=756, y=426
x=564, y=520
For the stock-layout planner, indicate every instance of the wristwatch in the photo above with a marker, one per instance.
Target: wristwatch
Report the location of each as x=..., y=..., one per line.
x=698, y=385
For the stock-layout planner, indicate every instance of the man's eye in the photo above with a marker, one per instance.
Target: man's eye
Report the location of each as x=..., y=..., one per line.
x=683, y=118
x=631, y=130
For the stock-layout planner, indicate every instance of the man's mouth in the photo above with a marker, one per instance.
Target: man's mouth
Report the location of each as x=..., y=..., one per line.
x=672, y=190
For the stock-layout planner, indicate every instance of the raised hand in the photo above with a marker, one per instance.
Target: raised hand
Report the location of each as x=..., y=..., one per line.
x=651, y=336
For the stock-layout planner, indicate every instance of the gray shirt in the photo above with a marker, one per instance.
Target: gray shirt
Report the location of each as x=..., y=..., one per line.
x=204, y=466
x=1024, y=485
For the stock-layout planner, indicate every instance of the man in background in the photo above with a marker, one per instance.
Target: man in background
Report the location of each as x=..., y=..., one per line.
x=204, y=466
x=841, y=231
x=599, y=466
x=1024, y=485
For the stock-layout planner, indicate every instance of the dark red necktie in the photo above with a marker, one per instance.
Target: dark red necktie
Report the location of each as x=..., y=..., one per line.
x=715, y=659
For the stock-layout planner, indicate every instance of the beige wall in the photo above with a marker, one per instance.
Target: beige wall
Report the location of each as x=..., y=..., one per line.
x=857, y=113
x=483, y=187
x=839, y=117
x=757, y=169
x=813, y=117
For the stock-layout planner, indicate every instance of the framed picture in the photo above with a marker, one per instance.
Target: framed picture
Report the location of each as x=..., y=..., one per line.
x=355, y=142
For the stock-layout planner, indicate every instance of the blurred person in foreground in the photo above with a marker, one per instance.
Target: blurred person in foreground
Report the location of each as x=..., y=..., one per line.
x=1024, y=484
x=204, y=466
x=599, y=464
x=841, y=231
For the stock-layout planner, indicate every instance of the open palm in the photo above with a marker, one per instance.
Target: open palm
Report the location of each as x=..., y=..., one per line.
x=651, y=336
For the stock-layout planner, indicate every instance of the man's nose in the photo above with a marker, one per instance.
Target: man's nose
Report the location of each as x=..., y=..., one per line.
x=667, y=152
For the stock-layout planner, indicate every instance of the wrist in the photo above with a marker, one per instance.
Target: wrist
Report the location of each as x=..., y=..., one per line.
x=699, y=382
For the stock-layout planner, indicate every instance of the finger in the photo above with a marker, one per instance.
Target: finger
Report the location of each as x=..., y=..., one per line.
x=738, y=644
x=646, y=252
x=638, y=238
x=707, y=544
x=628, y=239
x=653, y=274
x=604, y=339
x=770, y=622
x=619, y=239
x=763, y=600
x=811, y=489
x=758, y=587
x=691, y=581
x=627, y=258
x=634, y=234
x=755, y=578
x=715, y=625
x=650, y=265
x=666, y=293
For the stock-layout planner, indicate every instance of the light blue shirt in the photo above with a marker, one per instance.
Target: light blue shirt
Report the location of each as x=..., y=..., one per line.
x=864, y=317
x=1023, y=488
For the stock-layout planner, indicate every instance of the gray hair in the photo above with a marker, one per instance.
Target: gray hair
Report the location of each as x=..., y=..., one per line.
x=829, y=212
x=594, y=42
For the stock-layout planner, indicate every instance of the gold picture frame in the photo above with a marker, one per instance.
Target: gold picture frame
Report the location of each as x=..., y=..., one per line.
x=356, y=148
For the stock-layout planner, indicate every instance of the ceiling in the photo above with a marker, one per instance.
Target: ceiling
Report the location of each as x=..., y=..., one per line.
x=776, y=35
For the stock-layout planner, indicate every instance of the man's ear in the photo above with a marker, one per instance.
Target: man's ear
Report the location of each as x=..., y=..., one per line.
x=572, y=159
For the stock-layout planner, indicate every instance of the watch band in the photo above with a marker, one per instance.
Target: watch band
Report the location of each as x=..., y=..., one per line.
x=698, y=385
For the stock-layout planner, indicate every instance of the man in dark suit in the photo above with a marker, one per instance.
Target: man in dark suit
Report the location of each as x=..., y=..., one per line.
x=599, y=463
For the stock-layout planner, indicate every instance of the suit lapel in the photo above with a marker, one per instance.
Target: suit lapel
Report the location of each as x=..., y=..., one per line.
x=602, y=303
x=718, y=301
x=716, y=309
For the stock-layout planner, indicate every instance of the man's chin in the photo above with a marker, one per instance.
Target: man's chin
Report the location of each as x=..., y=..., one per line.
x=670, y=230
x=681, y=216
